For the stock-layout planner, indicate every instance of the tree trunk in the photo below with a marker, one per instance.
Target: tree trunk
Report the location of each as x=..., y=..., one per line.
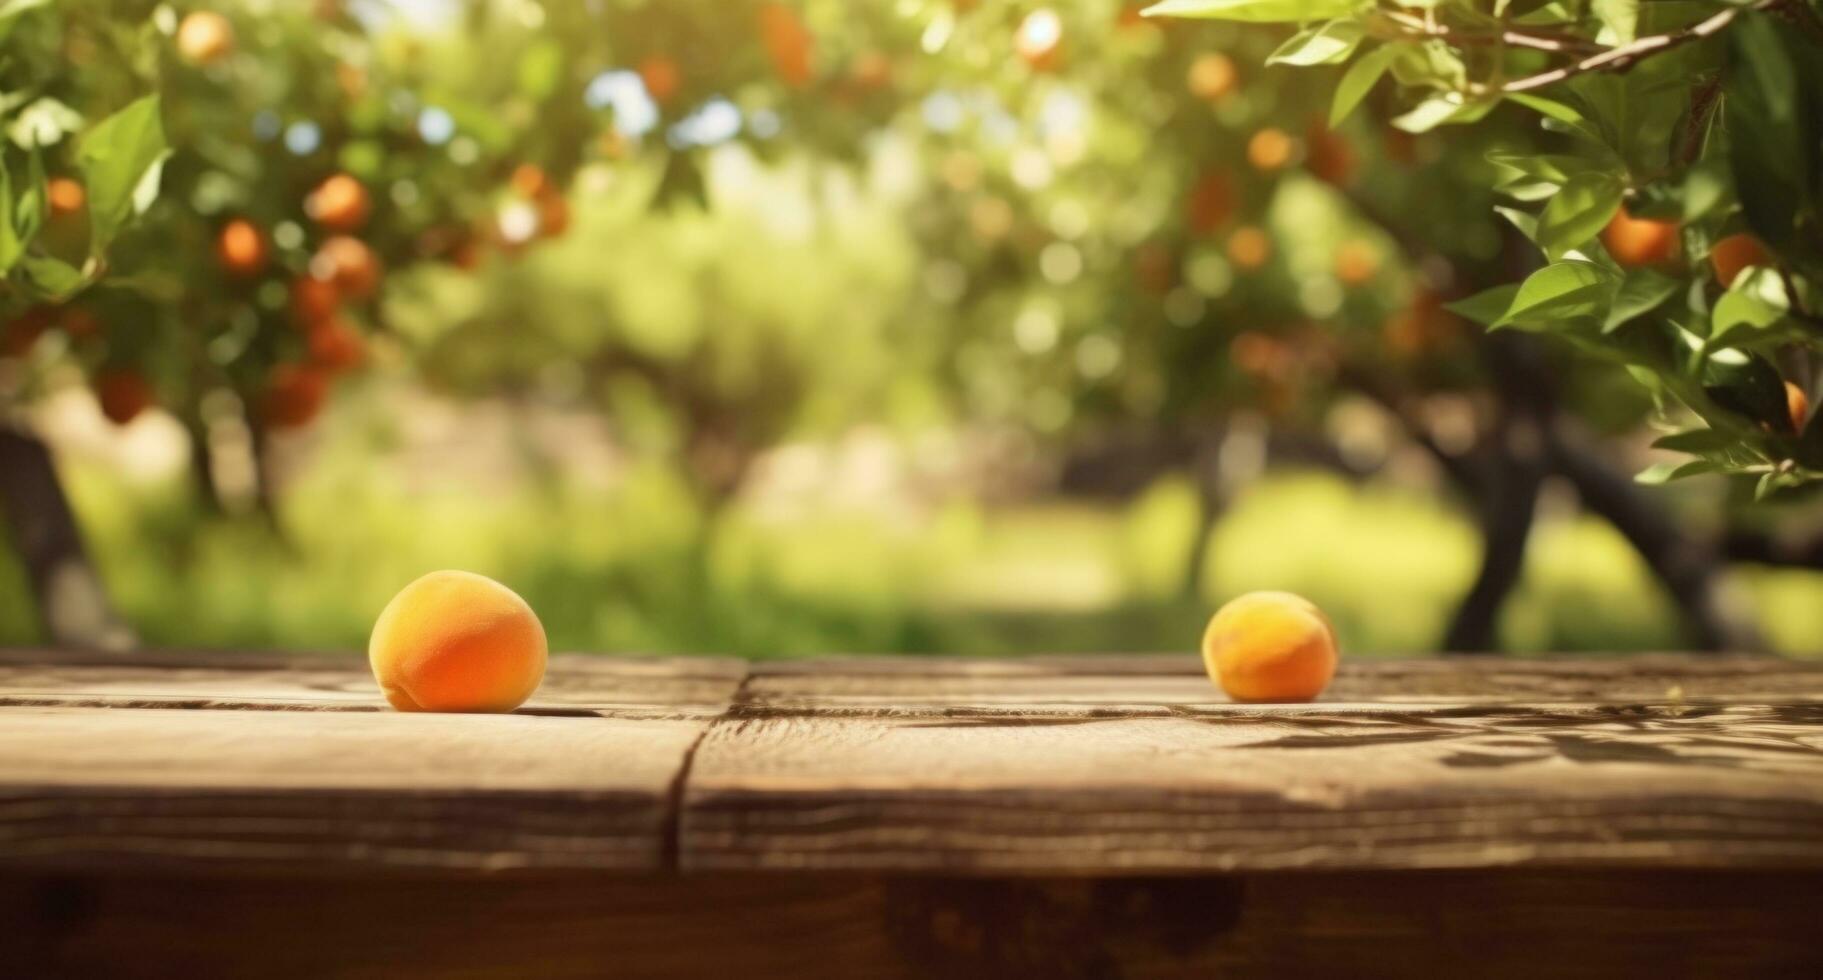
x=73, y=607
x=1508, y=502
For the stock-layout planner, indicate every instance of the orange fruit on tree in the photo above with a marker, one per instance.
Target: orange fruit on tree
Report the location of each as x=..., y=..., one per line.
x=66, y=196
x=1328, y=154
x=1797, y=404
x=1270, y=149
x=313, y=299
x=1039, y=37
x=661, y=78
x=122, y=394
x=553, y=216
x=457, y=641
x=1211, y=203
x=79, y=322
x=1270, y=646
x=871, y=71
x=1356, y=262
x=22, y=331
x=1211, y=76
x=1635, y=242
x=349, y=265
x=1154, y=268
x=241, y=247
x=1733, y=254
x=204, y=38
x=294, y=395
x=339, y=203
x=335, y=346
x=530, y=181
x=1249, y=248
x=788, y=42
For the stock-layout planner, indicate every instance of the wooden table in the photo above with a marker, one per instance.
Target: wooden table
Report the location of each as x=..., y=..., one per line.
x=204, y=816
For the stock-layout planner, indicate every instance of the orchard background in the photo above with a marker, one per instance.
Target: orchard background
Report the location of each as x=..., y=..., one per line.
x=931, y=325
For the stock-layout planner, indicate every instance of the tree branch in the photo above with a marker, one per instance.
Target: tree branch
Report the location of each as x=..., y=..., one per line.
x=1627, y=55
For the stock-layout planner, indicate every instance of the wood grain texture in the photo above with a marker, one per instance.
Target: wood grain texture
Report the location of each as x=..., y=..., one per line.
x=621, y=687
x=1522, y=924
x=585, y=777
x=998, y=768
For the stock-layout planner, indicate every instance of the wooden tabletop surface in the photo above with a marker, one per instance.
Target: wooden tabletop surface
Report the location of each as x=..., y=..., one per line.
x=1044, y=766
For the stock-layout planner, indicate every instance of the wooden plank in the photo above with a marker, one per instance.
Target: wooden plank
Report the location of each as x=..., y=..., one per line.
x=1520, y=924
x=1004, y=771
x=586, y=777
x=622, y=687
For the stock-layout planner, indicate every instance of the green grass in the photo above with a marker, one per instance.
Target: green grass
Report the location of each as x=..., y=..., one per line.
x=641, y=568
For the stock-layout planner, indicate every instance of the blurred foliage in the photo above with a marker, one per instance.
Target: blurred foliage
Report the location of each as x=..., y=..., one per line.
x=728, y=228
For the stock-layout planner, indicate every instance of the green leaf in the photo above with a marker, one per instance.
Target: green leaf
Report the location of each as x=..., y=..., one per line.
x=1256, y=11
x=1696, y=441
x=1359, y=80
x=1737, y=309
x=1558, y=112
x=1440, y=109
x=1324, y=45
x=1526, y=223
x=1776, y=159
x=1643, y=291
x=1581, y=209
x=11, y=245
x=54, y=278
x=43, y=123
x=116, y=157
x=1560, y=291
x=1620, y=18
x=1659, y=474
x=1487, y=306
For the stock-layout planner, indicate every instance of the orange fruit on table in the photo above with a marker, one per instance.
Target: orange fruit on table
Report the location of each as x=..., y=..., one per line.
x=66, y=196
x=1797, y=403
x=1270, y=646
x=294, y=395
x=123, y=395
x=204, y=38
x=457, y=641
x=339, y=203
x=788, y=42
x=241, y=247
x=661, y=77
x=1733, y=254
x=1635, y=242
x=349, y=265
x=1210, y=76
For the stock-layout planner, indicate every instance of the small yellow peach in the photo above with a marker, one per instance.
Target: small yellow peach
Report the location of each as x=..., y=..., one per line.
x=456, y=641
x=1270, y=646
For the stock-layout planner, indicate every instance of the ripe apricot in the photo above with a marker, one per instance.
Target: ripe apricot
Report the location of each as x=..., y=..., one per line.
x=1269, y=149
x=789, y=43
x=1797, y=403
x=349, y=265
x=1038, y=37
x=1211, y=203
x=204, y=38
x=1270, y=646
x=339, y=203
x=530, y=181
x=335, y=346
x=294, y=395
x=660, y=76
x=1733, y=254
x=313, y=299
x=241, y=247
x=1249, y=248
x=65, y=195
x=22, y=331
x=457, y=641
x=553, y=215
x=1328, y=154
x=1211, y=76
x=1356, y=262
x=123, y=395
x=1635, y=242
